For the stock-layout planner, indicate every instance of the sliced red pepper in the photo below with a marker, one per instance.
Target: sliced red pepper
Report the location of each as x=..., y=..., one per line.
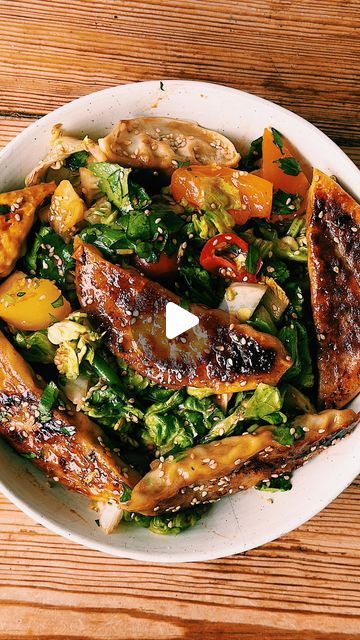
x=212, y=260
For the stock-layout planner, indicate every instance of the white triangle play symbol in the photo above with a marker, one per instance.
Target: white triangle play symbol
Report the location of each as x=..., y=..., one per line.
x=178, y=320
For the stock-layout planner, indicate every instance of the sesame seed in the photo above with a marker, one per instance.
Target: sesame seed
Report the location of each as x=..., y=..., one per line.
x=336, y=269
x=242, y=383
x=321, y=213
x=237, y=461
x=354, y=229
x=321, y=430
x=321, y=336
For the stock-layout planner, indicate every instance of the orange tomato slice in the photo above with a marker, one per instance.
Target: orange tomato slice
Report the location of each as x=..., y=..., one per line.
x=242, y=194
x=275, y=164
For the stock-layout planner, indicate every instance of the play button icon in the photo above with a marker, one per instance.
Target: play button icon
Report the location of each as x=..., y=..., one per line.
x=178, y=320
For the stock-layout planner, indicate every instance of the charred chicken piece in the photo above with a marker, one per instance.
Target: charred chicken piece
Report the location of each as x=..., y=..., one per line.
x=163, y=143
x=68, y=447
x=208, y=472
x=333, y=238
x=219, y=353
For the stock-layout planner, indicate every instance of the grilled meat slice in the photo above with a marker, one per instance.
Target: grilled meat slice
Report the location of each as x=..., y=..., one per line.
x=162, y=143
x=333, y=238
x=208, y=472
x=219, y=353
x=68, y=447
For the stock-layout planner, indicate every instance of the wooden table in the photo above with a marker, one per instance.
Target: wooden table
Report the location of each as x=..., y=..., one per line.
x=305, y=56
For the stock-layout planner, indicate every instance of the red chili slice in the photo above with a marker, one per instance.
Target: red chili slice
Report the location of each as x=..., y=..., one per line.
x=212, y=260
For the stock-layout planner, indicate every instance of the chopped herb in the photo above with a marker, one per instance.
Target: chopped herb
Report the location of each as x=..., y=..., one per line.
x=183, y=164
x=282, y=483
x=4, y=209
x=48, y=399
x=286, y=203
x=126, y=494
x=252, y=259
x=282, y=435
x=162, y=86
x=58, y=302
x=20, y=294
x=251, y=160
x=297, y=227
x=97, y=522
x=290, y=166
x=77, y=160
x=68, y=431
x=278, y=139
x=29, y=456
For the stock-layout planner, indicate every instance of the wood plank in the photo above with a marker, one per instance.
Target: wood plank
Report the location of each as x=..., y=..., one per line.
x=263, y=47
x=306, y=57
x=291, y=581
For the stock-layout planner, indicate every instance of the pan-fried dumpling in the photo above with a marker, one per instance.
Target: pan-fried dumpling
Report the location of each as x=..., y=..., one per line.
x=18, y=212
x=333, y=238
x=208, y=472
x=164, y=143
x=61, y=147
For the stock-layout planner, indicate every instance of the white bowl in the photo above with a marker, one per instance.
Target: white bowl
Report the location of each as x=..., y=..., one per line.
x=245, y=520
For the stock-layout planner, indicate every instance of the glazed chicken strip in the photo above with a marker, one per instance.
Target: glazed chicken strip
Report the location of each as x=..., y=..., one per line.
x=219, y=353
x=68, y=447
x=333, y=238
x=208, y=472
x=163, y=143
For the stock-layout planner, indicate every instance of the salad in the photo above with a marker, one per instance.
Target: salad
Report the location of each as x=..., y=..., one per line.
x=103, y=235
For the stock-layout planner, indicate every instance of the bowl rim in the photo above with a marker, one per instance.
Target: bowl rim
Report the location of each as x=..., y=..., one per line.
x=121, y=550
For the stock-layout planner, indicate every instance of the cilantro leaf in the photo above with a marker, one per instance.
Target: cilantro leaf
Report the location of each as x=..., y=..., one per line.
x=290, y=166
x=285, y=203
x=77, y=160
x=278, y=139
x=252, y=259
x=250, y=161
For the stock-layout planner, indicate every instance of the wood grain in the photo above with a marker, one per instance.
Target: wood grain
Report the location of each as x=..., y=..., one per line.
x=305, y=56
